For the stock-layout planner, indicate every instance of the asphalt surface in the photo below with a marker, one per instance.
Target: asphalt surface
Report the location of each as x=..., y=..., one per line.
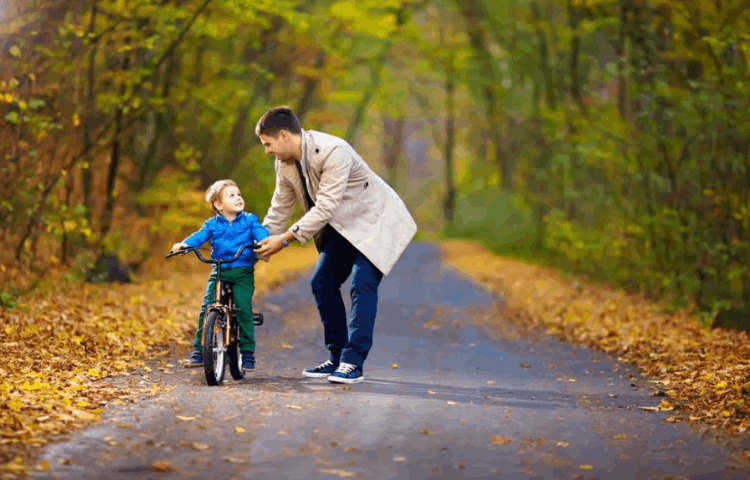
x=462, y=402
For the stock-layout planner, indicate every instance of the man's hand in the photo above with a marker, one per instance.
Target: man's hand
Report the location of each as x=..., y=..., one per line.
x=178, y=246
x=270, y=246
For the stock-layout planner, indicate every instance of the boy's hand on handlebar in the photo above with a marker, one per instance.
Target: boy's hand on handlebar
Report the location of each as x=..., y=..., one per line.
x=269, y=246
x=178, y=246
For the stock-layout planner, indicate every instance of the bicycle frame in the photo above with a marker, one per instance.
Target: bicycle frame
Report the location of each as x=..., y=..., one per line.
x=226, y=308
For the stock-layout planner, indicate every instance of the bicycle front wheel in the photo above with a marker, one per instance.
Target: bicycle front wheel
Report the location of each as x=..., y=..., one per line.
x=235, y=355
x=214, y=350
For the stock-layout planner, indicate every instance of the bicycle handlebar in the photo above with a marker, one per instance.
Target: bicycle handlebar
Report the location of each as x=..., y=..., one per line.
x=183, y=251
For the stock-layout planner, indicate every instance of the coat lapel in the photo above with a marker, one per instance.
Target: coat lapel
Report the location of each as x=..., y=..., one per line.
x=289, y=171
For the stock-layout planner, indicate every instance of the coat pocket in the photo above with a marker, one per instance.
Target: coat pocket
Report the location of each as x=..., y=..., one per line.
x=364, y=202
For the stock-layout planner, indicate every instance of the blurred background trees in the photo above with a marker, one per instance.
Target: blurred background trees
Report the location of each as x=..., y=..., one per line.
x=603, y=137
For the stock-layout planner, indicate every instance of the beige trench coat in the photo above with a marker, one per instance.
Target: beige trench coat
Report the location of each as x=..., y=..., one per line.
x=347, y=194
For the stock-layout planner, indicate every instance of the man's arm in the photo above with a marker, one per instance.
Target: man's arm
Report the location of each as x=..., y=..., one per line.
x=333, y=180
x=282, y=204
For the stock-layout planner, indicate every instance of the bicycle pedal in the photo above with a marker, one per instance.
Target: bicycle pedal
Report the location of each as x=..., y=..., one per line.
x=258, y=318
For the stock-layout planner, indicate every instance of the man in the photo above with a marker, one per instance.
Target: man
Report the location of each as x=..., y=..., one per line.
x=360, y=227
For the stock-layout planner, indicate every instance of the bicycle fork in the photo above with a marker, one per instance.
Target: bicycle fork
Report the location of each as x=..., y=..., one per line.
x=225, y=309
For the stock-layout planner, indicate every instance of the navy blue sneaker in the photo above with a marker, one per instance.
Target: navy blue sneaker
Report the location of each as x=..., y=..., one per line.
x=347, y=373
x=248, y=361
x=321, y=371
x=196, y=359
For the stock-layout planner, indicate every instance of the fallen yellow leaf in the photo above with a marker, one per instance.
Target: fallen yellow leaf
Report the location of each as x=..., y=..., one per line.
x=339, y=473
x=586, y=467
x=500, y=440
x=240, y=430
x=161, y=465
x=185, y=419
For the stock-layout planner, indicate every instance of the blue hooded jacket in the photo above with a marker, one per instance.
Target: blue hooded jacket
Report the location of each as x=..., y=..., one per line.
x=226, y=238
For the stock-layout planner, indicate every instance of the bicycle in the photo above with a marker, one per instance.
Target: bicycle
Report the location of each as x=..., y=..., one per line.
x=221, y=331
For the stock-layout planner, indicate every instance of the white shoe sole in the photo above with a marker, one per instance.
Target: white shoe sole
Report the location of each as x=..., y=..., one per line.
x=314, y=375
x=333, y=379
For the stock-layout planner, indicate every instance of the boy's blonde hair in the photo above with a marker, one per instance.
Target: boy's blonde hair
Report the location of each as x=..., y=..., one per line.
x=213, y=194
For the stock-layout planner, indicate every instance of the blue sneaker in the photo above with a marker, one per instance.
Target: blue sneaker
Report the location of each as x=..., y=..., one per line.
x=196, y=359
x=248, y=361
x=321, y=371
x=347, y=373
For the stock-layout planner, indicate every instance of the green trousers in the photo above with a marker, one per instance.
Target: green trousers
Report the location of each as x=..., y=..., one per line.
x=243, y=281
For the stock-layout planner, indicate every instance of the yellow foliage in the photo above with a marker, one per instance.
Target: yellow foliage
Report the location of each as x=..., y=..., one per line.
x=61, y=342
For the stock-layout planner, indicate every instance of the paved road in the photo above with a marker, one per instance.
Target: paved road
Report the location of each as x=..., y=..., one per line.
x=463, y=403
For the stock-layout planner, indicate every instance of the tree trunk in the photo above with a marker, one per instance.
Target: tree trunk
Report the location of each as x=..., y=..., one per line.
x=549, y=81
x=147, y=170
x=395, y=147
x=575, y=48
x=311, y=84
x=474, y=14
x=114, y=161
x=88, y=126
x=376, y=74
x=449, y=201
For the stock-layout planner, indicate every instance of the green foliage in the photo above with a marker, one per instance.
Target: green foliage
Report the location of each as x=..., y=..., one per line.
x=647, y=189
x=500, y=220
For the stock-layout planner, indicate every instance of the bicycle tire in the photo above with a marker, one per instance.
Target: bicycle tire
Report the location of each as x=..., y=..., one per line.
x=235, y=356
x=214, y=350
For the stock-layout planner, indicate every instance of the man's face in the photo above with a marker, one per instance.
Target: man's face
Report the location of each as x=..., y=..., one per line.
x=280, y=146
x=231, y=201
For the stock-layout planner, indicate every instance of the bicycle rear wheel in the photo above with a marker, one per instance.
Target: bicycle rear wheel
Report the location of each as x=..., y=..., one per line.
x=214, y=350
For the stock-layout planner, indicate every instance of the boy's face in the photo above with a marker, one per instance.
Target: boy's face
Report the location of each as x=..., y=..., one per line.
x=231, y=201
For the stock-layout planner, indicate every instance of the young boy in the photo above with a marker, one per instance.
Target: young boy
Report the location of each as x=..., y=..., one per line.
x=229, y=230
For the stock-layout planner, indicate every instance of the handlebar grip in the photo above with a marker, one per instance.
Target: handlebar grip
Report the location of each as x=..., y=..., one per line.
x=182, y=251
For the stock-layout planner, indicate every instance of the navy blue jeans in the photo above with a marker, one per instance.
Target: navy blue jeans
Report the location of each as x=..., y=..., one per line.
x=338, y=259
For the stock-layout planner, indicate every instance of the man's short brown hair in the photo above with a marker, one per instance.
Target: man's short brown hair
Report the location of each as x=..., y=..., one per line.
x=276, y=120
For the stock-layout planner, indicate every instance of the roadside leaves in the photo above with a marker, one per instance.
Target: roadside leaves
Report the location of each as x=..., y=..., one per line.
x=62, y=343
x=704, y=373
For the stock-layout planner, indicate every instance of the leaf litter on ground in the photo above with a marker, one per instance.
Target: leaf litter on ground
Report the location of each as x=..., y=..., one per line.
x=93, y=332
